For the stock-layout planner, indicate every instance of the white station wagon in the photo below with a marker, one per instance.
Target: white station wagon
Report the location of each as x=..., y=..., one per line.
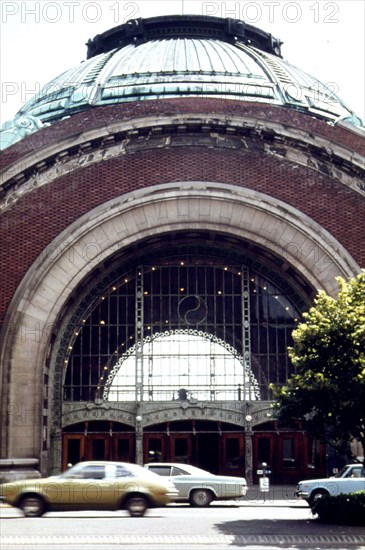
x=197, y=486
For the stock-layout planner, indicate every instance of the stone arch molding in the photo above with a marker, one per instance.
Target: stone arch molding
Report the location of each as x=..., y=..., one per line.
x=236, y=211
x=74, y=413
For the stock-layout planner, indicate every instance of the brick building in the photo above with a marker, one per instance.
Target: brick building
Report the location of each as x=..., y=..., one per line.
x=169, y=209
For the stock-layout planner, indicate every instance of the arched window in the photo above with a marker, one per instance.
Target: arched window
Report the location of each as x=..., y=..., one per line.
x=185, y=364
x=218, y=331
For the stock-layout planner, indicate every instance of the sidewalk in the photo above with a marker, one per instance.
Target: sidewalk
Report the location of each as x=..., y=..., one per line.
x=278, y=495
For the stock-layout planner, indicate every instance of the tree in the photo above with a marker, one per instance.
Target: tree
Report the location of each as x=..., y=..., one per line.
x=326, y=395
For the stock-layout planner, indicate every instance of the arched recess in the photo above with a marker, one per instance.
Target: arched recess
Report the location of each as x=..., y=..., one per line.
x=40, y=298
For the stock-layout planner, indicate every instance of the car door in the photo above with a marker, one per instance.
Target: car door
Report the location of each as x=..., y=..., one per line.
x=175, y=475
x=183, y=482
x=86, y=488
x=354, y=480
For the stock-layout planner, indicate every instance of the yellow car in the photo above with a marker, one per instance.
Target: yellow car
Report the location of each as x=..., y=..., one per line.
x=91, y=486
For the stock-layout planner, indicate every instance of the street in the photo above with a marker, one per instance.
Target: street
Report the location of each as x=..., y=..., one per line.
x=249, y=524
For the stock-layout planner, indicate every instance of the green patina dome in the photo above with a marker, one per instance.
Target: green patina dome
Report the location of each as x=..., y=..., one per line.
x=181, y=56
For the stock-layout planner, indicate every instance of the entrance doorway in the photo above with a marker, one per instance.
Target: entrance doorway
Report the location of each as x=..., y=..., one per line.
x=213, y=446
x=97, y=441
x=289, y=455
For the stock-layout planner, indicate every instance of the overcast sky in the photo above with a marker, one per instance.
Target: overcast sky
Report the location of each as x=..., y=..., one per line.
x=42, y=39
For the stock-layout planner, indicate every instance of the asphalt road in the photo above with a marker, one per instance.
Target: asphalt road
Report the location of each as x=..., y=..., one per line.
x=249, y=524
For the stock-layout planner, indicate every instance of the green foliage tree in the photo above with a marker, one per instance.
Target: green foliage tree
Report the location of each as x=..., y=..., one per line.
x=326, y=395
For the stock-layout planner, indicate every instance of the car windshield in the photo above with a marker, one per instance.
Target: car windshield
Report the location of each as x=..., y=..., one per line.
x=341, y=472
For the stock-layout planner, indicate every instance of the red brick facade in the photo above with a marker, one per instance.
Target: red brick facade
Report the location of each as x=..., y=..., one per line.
x=35, y=219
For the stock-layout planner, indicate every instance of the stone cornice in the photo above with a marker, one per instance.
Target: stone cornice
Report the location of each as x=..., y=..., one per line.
x=232, y=412
x=187, y=130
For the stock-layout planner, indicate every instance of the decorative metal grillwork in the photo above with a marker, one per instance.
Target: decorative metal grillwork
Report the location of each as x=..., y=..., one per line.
x=222, y=384
x=230, y=306
x=139, y=335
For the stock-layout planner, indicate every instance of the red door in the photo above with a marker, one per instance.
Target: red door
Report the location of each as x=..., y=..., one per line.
x=181, y=448
x=232, y=455
x=98, y=447
x=123, y=448
x=264, y=450
x=73, y=449
x=154, y=448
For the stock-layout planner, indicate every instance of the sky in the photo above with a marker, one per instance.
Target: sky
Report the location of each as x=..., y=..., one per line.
x=41, y=39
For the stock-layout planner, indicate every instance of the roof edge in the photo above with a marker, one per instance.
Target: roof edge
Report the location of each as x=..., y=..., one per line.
x=140, y=30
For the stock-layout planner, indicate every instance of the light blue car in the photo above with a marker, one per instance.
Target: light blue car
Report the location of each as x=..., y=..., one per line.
x=197, y=486
x=348, y=480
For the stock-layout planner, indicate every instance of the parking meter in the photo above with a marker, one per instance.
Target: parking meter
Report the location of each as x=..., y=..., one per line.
x=264, y=480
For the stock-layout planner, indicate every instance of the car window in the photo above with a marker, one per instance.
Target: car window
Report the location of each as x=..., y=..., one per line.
x=110, y=471
x=342, y=472
x=123, y=472
x=356, y=472
x=178, y=472
x=160, y=470
x=93, y=472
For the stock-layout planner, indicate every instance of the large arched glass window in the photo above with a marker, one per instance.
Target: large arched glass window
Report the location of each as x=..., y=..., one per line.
x=183, y=365
x=218, y=331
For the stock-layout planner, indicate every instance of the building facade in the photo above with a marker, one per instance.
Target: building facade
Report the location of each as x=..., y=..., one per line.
x=170, y=207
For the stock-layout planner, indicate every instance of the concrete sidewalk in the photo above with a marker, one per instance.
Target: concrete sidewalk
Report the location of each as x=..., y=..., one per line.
x=277, y=495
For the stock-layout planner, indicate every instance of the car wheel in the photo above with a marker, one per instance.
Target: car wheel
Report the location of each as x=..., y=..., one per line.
x=201, y=497
x=316, y=495
x=32, y=506
x=137, y=506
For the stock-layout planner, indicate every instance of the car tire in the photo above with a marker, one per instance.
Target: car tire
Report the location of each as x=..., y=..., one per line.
x=32, y=506
x=316, y=495
x=137, y=506
x=201, y=497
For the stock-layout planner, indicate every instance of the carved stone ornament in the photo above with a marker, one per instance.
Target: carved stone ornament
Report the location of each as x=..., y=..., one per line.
x=16, y=129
